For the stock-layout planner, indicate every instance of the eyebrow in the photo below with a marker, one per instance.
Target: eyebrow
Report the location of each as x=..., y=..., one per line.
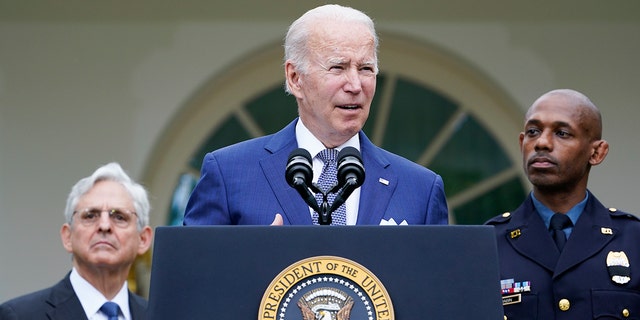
x=346, y=61
x=555, y=123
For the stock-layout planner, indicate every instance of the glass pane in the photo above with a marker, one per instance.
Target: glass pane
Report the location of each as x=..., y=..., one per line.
x=273, y=110
x=470, y=156
x=417, y=115
x=506, y=197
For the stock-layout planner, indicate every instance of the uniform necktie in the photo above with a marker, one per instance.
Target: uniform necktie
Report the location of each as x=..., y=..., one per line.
x=111, y=310
x=329, y=178
x=559, y=221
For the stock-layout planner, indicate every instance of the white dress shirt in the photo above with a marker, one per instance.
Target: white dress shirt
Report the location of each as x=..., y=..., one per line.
x=92, y=299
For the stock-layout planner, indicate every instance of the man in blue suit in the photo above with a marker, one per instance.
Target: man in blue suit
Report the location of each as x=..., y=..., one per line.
x=107, y=227
x=330, y=68
x=563, y=255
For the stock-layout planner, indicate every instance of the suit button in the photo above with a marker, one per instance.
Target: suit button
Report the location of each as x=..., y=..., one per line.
x=625, y=313
x=564, y=304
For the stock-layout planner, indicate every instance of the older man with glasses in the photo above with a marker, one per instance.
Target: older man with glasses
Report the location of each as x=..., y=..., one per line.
x=106, y=228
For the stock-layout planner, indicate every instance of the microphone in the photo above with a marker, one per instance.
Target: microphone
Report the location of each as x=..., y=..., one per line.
x=299, y=174
x=350, y=168
x=350, y=175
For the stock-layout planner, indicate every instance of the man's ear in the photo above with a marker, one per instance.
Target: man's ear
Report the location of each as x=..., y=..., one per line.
x=146, y=237
x=600, y=149
x=520, y=140
x=292, y=76
x=65, y=236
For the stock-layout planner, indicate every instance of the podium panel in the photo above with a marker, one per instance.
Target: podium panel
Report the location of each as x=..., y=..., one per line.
x=223, y=272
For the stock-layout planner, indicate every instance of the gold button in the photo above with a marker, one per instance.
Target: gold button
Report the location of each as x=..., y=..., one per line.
x=506, y=215
x=625, y=313
x=564, y=304
x=505, y=317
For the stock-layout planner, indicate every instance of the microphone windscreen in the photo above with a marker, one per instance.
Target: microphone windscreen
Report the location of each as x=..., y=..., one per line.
x=350, y=166
x=349, y=151
x=300, y=152
x=299, y=167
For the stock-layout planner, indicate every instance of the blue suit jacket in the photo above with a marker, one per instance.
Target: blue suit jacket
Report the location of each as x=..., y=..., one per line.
x=579, y=274
x=245, y=184
x=59, y=303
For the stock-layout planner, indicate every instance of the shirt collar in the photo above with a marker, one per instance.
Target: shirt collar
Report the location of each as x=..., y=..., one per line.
x=308, y=141
x=92, y=299
x=546, y=213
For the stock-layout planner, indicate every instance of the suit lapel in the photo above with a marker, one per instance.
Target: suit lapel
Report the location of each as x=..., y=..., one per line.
x=587, y=237
x=296, y=211
x=529, y=236
x=64, y=302
x=379, y=184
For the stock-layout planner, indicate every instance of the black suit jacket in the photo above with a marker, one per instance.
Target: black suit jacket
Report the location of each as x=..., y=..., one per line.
x=59, y=302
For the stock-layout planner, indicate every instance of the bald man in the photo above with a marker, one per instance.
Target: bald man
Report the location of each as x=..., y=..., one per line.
x=563, y=255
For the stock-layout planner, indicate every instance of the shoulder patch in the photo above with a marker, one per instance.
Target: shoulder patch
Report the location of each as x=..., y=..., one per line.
x=505, y=217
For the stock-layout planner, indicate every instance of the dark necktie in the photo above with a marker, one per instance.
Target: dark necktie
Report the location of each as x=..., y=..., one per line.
x=110, y=309
x=329, y=178
x=559, y=221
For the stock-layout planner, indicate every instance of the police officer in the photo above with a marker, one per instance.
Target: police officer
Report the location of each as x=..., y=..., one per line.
x=562, y=254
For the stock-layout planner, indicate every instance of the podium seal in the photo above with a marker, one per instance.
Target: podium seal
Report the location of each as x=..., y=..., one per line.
x=326, y=288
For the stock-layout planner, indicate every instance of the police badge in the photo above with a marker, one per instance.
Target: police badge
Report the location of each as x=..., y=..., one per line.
x=618, y=265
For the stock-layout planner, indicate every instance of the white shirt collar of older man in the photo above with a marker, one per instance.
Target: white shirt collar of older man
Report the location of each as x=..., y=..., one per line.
x=92, y=299
x=308, y=141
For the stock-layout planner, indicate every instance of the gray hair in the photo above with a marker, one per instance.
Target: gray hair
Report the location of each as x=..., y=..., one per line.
x=295, y=43
x=111, y=172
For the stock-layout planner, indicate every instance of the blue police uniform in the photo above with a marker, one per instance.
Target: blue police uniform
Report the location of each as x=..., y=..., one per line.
x=597, y=275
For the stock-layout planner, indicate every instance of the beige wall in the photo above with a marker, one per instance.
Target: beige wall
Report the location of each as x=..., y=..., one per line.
x=78, y=91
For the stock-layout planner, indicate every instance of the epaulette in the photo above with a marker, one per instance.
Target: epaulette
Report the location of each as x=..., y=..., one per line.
x=505, y=217
x=621, y=214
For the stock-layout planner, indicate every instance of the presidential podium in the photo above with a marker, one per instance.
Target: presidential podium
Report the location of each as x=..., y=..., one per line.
x=325, y=272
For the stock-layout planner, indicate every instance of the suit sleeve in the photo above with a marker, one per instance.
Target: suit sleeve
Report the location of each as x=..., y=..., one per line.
x=438, y=212
x=207, y=204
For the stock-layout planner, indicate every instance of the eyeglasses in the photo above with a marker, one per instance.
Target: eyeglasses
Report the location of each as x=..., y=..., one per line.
x=119, y=217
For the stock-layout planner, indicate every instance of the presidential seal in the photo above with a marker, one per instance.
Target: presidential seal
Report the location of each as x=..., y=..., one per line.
x=326, y=288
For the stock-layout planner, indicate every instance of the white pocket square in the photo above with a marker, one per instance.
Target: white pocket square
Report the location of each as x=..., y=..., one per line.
x=392, y=222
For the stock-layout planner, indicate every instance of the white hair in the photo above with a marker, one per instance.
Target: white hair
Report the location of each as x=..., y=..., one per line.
x=110, y=172
x=295, y=43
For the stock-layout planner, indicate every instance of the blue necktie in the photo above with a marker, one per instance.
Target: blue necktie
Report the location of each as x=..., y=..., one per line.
x=559, y=222
x=110, y=309
x=329, y=178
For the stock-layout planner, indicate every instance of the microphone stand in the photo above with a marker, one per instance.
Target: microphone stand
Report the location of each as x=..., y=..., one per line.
x=324, y=211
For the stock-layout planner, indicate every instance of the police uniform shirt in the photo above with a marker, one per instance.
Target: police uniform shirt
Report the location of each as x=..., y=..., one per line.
x=546, y=213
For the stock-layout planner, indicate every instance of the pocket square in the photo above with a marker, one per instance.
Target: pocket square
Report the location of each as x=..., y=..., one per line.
x=392, y=222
